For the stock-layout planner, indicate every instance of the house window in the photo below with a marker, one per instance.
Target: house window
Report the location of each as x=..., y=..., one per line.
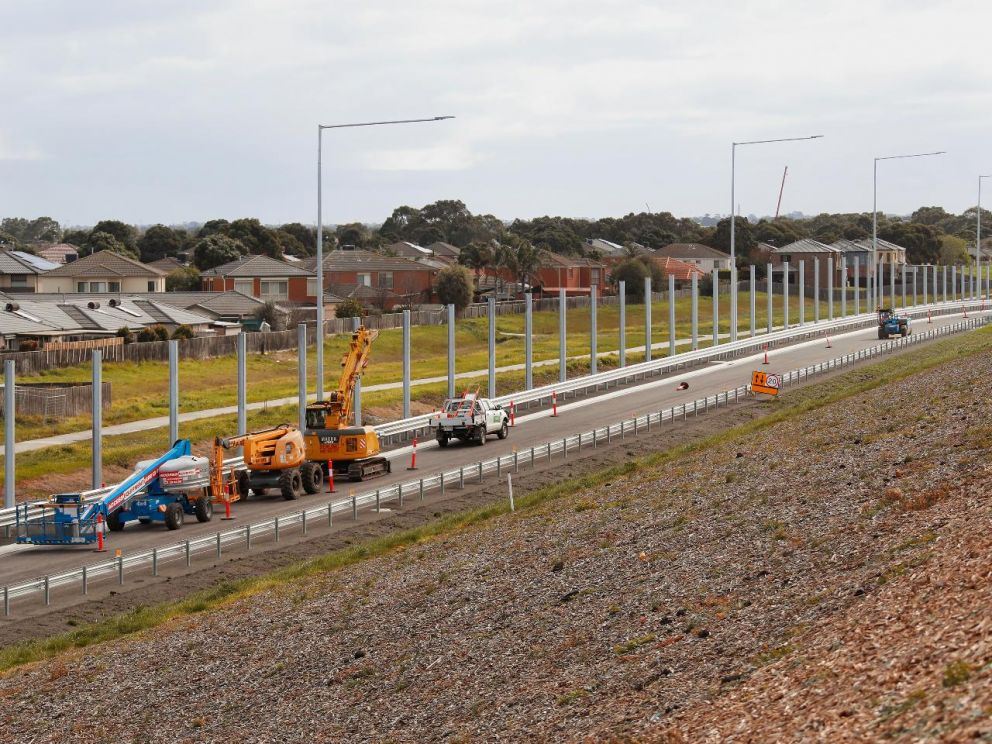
x=385, y=280
x=116, y=286
x=275, y=289
x=595, y=276
x=151, y=285
x=245, y=286
x=312, y=287
x=365, y=280
x=91, y=286
x=80, y=286
x=18, y=280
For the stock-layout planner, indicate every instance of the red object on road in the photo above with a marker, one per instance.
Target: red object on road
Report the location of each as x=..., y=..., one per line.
x=683, y=386
x=554, y=403
x=766, y=355
x=330, y=475
x=227, y=510
x=413, y=457
x=513, y=414
x=99, y=534
x=829, y=345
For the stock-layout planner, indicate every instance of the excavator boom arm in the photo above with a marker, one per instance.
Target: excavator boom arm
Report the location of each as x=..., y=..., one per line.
x=352, y=365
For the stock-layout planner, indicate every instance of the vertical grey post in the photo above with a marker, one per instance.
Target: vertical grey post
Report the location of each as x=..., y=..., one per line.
x=769, y=292
x=97, y=381
x=562, y=357
x=451, y=351
x=926, y=275
x=695, y=311
x=173, y=391
x=904, y=286
x=357, y=405
x=492, y=347
x=843, y=289
x=733, y=300
x=592, y=329
x=785, y=294
x=752, y=287
x=816, y=289
x=892, y=285
x=943, y=281
x=830, y=289
x=716, y=306
x=9, y=401
x=857, y=285
x=622, y=302
x=647, y=319
x=301, y=381
x=671, y=315
x=802, y=292
x=406, y=364
x=242, y=383
x=954, y=283
x=528, y=341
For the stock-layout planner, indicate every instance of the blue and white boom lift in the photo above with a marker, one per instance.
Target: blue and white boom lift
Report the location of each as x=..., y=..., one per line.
x=161, y=490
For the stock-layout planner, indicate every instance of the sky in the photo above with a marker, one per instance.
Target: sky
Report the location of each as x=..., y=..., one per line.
x=186, y=110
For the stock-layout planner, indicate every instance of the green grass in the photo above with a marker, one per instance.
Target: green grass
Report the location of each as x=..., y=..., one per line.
x=140, y=390
x=798, y=403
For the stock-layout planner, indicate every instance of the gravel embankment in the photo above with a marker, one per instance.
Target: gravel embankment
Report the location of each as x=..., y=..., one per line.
x=798, y=585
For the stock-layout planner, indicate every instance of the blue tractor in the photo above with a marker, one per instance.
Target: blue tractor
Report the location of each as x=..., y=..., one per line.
x=890, y=324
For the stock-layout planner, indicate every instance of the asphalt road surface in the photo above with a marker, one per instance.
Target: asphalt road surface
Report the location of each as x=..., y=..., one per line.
x=21, y=563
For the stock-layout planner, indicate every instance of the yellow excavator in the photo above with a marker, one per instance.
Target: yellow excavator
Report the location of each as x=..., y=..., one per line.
x=274, y=458
x=331, y=440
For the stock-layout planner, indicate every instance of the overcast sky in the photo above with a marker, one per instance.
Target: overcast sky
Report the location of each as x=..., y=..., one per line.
x=178, y=110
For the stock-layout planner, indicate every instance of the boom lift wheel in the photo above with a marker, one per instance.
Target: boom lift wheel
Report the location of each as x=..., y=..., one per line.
x=204, y=508
x=114, y=523
x=244, y=483
x=174, y=515
x=290, y=483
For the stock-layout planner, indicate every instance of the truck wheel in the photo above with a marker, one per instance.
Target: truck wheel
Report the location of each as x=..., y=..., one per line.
x=504, y=430
x=203, y=508
x=881, y=334
x=114, y=522
x=313, y=477
x=174, y=515
x=480, y=435
x=442, y=439
x=144, y=520
x=290, y=483
x=244, y=483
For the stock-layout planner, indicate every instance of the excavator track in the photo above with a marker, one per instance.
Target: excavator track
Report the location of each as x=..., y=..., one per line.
x=370, y=468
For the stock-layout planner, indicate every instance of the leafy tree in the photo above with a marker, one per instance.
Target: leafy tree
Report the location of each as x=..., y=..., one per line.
x=9, y=241
x=953, y=251
x=160, y=241
x=633, y=271
x=476, y=256
x=400, y=225
x=289, y=244
x=307, y=236
x=922, y=242
x=454, y=286
x=183, y=332
x=349, y=308
x=775, y=232
x=146, y=334
x=124, y=233
x=213, y=227
x=75, y=237
x=354, y=234
x=744, y=239
x=271, y=314
x=930, y=215
x=101, y=241
x=255, y=237
x=185, y=279
x=161, y=332
x=524, y=258
x=38, y=230
x=215, y=250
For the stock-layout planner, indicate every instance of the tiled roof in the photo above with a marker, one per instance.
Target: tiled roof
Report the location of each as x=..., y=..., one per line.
x=359, y=260
x=558, y=261
x=681, y=270
x=806, y=245
x=167, y=264
x=691, y=250
x=252, y=265
x=445, y=250
x=56, y=252
x=14, y=263
x=849, y=246
x=338, y=292
x=407, y=249
x=105, y=263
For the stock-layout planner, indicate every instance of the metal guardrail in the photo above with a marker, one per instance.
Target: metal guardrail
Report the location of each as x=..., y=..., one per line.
x=455, y=477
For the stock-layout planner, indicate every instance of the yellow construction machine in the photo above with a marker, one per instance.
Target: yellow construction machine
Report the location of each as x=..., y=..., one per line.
x=331, y=440
x=274, y=458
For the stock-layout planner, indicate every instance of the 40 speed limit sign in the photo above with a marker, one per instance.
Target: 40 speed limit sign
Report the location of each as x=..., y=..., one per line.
x=765, y=382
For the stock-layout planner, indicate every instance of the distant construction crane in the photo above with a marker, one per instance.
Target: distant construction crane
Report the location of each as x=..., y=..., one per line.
x=780, y=190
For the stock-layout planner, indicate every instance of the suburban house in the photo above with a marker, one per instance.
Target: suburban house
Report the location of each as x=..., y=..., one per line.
x=263, y=277
x=445, y=251
x=19, y=271
x=57, y=253
x=682, y=271
x=104, y=271
x=167, y=264
x=850, y=252
x=69, y=317
x=574, y=274
x=888, y=253
x=406, y=249
x=697, y=254
x=807, y=251
x=394, y=279
x=607, y=249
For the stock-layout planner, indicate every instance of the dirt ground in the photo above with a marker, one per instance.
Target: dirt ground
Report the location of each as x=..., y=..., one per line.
x=106, y=598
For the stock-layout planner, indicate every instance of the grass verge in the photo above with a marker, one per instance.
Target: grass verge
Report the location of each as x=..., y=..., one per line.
x=797, y=403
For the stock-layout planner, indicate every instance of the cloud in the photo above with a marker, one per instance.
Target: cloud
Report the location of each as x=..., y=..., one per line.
x=10, y=150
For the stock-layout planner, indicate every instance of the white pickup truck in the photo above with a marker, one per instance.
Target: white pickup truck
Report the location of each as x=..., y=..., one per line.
x=471, y=419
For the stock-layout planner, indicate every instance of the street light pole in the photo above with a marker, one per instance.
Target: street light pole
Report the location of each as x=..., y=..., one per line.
x=978, y=234
x=320, y=231
x=876, y=296
x=733, y=217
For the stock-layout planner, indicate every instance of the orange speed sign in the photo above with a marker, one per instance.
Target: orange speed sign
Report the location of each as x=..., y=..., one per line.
x=765, y=382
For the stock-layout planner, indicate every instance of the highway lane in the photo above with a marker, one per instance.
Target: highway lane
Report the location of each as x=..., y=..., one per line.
x=20, y=563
